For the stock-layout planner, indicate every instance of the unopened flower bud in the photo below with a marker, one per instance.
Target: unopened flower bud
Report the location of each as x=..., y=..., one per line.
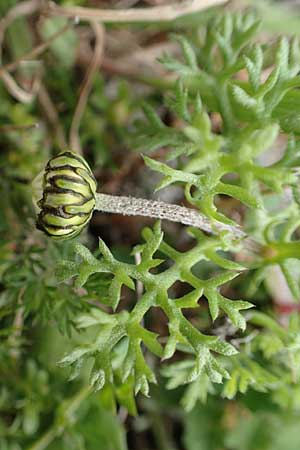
x=68, y=200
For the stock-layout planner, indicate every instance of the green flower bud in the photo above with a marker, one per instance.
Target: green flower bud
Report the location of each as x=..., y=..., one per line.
x=68, y=201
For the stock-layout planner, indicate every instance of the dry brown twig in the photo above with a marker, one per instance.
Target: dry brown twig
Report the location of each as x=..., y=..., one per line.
x=52, y=116
x=36, y=51
x=16, y=91
x=21, y=9
x=163, y=13
x=11, y=128
x=86, y=86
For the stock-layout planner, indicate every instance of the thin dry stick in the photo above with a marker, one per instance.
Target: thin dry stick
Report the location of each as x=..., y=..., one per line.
x=155, y=14
x=86, y=86
x=11, y=128
x=22, y=9
x=16, y=91
x=37, y=50
x=52, y=116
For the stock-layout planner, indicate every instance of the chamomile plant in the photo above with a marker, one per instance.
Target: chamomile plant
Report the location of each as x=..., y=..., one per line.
x=233, y=100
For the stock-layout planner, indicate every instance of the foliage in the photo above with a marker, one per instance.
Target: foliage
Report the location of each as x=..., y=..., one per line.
x=205, y=164
x=114, y=328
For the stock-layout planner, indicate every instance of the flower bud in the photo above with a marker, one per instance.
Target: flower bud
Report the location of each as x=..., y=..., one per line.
x=68, y=200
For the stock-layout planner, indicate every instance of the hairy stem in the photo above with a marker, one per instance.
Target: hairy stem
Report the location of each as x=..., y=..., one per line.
x=131, y=206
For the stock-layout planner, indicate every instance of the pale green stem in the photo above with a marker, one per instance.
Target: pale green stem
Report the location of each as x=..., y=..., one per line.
x=131, y=206
x=46, y=439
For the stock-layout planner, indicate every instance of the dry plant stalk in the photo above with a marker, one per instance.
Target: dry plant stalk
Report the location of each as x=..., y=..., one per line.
x=36, y=51
x=22, y=9
x=16, y=91
x=87, y=85
x=25, y=8
x=51, y=115
x=153, y=14
x=11, y=128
